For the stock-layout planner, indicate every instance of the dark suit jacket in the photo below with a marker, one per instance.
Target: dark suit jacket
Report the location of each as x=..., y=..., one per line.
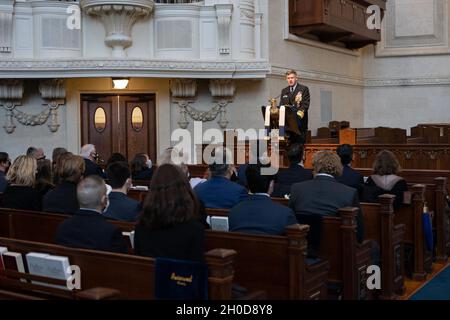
x=260, y=215
x=145, y=174
x=122, y=208
x=62, y=199
x=92, y=169
x=241, y=177
x=221, y=193
x=288, y=98
x=183, y=241
x=286, y=178
x=3, y=182
x=351, y=178
x=88, y=229
x=21, y=197
x=324, y=195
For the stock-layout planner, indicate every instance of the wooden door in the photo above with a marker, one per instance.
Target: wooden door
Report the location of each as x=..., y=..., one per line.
x=124, y=124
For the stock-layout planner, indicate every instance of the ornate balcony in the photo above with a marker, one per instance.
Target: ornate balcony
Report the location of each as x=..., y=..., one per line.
x=332, y=21
x=143, y=38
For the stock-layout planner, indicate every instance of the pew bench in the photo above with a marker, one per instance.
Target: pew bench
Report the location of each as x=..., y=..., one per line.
x=112, y=270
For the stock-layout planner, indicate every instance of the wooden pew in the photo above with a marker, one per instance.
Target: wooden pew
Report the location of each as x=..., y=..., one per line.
x=411, y=217
x=379, y=226
x=308, y=283
x=347, y=267
x=275, y=264
x=435, y=195
x=112, y=270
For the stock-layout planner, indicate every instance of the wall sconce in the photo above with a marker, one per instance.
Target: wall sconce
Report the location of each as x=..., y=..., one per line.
x=120, y=83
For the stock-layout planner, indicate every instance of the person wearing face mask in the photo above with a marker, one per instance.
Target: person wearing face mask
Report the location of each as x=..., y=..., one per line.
x=141, y=167
x=121, y=207
x=88, y=152
x=88, y=228
x=4, y=165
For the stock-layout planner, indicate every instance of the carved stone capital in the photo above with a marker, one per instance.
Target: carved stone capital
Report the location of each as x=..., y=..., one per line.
x=118, y=18
x=52, y=89
x=11, y=90
x=222, y=88
x=183, y=88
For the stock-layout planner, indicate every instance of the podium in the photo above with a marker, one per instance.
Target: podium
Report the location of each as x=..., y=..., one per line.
x=290, y=120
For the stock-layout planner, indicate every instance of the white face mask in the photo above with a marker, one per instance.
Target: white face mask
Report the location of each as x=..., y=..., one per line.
x=149, y=163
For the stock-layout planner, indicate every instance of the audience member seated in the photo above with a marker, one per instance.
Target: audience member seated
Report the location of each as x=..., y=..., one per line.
x=219, y=192
x=324, y=195
x=259, y=214
x=89, y=153
x=57, y=152
x=385, y=179
x=120, y=206
x=5, y=162
x=177, y=157
x=44, y=177
x=116, y=157
x=169, y=226
x=63, y=199
x=36, y=153
x=350, y=177
x=141, y=167
x=20, y=192
x=88, y=228
x=57, y=166
x=295, y=173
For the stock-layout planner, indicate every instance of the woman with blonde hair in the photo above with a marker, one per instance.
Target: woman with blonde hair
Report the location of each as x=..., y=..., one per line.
x=20, y=192
x=385, y=179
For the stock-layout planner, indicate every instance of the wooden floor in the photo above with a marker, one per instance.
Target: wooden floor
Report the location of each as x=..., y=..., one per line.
x=413, y=286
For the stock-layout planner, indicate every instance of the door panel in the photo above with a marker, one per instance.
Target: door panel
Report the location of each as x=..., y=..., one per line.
x=130, y=125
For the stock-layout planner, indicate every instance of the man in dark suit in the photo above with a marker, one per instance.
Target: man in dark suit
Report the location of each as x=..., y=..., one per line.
x=121, y=207
x=88, y=228
x=349, y=177
x=88, y=152
x=324, y=195
x=295, y=173
x=219, y=192
x=297, y=97
x=259, y=214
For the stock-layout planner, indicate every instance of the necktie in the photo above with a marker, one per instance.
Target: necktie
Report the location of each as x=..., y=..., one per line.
x=292, y=89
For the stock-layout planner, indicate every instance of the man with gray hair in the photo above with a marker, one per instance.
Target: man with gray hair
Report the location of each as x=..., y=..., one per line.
x=37, y=153
x=88, y=228
x=219, y=192
x=88, y=152
x=324, y=195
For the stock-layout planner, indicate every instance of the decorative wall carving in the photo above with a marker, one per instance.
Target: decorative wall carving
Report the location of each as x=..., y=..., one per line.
x=184, y=91
x=223, y=12
x=155, y=68
x=54, y=92
x=11, y=92
x=223, y=91
x=118, y=18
